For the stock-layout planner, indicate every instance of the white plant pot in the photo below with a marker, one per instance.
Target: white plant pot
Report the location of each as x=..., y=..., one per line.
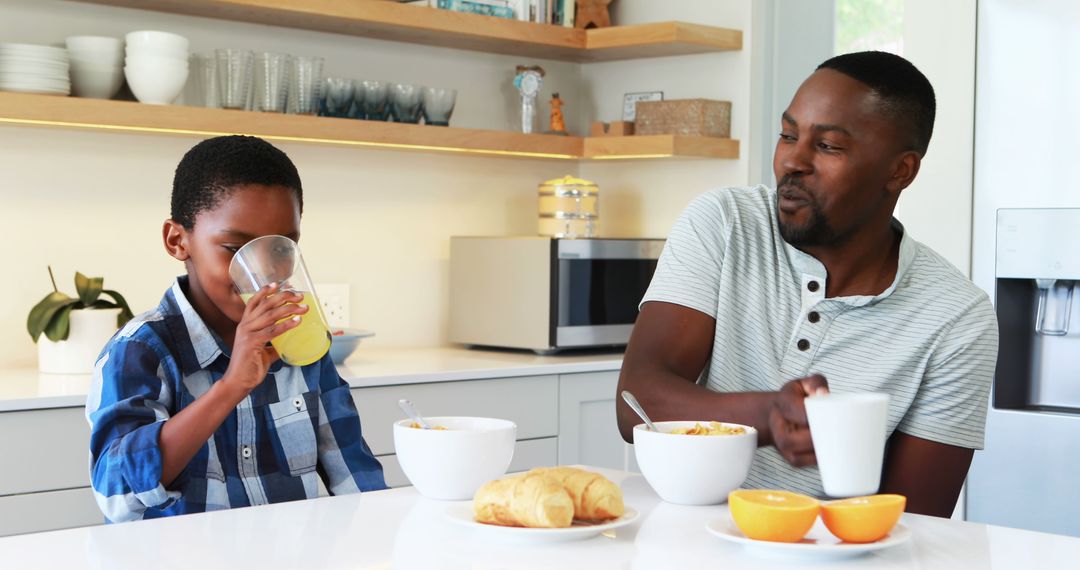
x=90, y=330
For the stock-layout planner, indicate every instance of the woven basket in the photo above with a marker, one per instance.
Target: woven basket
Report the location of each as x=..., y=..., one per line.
x=704, y=117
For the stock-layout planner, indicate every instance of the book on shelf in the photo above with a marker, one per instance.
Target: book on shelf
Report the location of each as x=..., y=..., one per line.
x=497, y=8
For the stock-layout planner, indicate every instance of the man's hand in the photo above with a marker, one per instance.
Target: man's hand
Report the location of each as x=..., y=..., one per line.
x=787, y=420
x=252, y=353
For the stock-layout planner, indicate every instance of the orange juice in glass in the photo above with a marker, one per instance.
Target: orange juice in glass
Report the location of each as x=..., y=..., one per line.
x=277, y=259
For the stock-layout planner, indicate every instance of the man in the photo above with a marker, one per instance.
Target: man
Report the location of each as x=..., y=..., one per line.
x=761, y=295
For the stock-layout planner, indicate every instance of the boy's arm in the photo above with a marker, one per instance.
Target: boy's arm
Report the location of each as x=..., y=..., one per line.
x=345, y=460
x=129, y=402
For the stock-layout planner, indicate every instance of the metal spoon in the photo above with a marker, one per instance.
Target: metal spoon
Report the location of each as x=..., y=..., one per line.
x=410, y=411
x=634, y=405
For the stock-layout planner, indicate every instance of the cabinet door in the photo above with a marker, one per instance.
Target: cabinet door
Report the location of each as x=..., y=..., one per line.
x=44, y=450
x=36, y=512
x=531, y=402
x=527, y=455
x=588, y=432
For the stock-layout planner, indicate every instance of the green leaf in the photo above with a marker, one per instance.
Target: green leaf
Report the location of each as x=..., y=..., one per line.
x=45, y=311
x=60, y=325
x=125, y=311
x=89, y=288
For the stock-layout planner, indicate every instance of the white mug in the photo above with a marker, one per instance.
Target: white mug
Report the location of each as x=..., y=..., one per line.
x=848, y=431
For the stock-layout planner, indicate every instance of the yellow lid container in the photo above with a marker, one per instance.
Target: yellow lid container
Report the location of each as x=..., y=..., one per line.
x=569, y=207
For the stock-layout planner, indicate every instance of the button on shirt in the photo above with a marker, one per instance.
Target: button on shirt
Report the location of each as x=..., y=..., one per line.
x=296, y=426
x=929, y=340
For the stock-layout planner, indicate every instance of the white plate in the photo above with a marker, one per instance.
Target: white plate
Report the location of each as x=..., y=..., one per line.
x=463, y=514
x=819, y=543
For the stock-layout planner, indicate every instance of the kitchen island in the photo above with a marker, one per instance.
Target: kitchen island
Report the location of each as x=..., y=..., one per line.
x=399, y=529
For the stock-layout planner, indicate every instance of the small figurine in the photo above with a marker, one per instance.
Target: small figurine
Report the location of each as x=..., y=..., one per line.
x=558, y=123
x=527, y=81
x=592, y=14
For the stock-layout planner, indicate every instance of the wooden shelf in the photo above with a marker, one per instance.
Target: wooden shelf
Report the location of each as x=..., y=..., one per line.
x=395, y=22
x=20, y=109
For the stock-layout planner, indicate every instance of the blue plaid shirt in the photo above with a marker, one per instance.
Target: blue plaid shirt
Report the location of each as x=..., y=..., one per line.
x=298, y=425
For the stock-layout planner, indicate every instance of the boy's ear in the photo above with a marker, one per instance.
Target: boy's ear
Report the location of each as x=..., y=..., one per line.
x=176, y=240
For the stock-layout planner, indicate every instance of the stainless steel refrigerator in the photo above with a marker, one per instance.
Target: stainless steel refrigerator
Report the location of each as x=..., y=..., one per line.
x=1026, y=254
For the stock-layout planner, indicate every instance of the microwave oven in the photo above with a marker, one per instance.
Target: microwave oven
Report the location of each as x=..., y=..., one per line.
x=547, y=294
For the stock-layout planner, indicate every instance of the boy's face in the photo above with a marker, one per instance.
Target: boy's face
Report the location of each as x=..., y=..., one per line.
x=247, y=212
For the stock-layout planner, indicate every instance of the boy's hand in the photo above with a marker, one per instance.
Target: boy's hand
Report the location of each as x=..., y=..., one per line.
x=252, y=353
x=787, y=420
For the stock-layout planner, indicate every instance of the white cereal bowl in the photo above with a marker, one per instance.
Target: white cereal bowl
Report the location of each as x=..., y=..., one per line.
x=452, y=464
x=154, y=85
x=693, y=469
x=96, y=82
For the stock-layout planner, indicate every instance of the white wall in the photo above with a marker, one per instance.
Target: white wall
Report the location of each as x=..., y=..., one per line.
x=939, y=38
x=377, y=220
x=645, y=198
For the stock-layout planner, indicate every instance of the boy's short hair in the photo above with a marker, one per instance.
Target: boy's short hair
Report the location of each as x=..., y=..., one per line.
x=906, y=94
x=213, y=168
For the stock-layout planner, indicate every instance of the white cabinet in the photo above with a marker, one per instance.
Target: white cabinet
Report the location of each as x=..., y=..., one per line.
x=568, y=419
x=588, y=431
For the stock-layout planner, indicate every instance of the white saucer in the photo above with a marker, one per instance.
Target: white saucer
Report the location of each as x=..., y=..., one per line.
x=819, y=543
x=462, y=514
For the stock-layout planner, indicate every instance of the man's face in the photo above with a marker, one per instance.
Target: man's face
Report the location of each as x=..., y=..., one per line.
x=835, y=155
x=247, y=212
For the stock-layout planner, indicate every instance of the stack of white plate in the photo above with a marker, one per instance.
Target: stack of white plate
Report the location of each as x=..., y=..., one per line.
x=34, y=69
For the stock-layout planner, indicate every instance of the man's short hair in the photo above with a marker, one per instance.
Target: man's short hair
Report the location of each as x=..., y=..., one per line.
x=906, y=94
x=215, y=167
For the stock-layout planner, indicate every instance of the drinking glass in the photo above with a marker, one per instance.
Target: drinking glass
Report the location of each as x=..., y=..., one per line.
x=376, y=94
x=277, y=259
x=204, y=78
x=305, y=77
x=234, y=71
x=337, y=97
x=438, y=105
x=406, y=102
x=271, y=82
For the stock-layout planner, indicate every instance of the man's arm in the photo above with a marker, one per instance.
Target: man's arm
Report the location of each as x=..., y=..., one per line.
x=928, y=473
x=668, y=349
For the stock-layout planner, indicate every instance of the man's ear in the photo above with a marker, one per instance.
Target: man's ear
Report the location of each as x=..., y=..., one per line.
x=176, y=240
x=904, y=170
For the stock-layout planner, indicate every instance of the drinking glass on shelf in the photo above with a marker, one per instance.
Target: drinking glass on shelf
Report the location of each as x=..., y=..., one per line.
x=406, y=102
x=234, y=71
x=356, y=110
x=336, y=97
x=375, y=99
x=438, y=105
x=271, y=82
x=305, y=76
x=277, y=259
x=204, y=80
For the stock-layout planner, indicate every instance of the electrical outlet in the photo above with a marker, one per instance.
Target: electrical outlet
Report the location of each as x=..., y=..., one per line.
x=335, y=302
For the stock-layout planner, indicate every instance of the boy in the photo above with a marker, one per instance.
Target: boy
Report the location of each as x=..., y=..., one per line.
x=190, y=409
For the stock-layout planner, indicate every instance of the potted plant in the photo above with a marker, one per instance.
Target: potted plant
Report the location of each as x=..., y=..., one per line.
x=75, y=328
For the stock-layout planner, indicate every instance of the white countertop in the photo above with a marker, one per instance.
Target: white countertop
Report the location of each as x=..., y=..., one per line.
x=28, y=389
x=399, y=529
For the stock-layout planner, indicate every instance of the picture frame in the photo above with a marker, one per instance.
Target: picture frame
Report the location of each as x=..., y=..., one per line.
x=630, y=102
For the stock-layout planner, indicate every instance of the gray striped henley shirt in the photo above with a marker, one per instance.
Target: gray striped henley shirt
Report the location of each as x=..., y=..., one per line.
x=930, y=340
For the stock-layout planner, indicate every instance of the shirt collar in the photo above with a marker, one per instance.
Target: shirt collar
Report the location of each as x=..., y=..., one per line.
x=206, y=345
x=809, y=267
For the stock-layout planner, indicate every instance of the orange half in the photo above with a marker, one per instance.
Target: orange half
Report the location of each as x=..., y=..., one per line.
x=863, y=519
x=777, y=516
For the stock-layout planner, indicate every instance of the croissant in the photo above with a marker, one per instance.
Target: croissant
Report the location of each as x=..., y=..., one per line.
x=595, y=497
x=529, y=499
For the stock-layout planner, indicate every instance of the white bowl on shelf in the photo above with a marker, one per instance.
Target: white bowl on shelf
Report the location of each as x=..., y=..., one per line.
x=96, y=82
x=155, y=41
x=97, y=49
x=155, y=85
x=158, y=62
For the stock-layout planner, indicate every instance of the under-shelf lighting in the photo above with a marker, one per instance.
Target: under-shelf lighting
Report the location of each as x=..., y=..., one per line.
x=397, y=146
